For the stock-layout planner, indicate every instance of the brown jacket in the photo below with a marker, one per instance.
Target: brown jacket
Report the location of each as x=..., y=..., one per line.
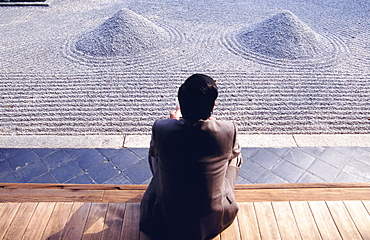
x=191, y=195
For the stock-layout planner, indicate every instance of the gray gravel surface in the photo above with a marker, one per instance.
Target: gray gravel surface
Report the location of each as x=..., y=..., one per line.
x=49, y=85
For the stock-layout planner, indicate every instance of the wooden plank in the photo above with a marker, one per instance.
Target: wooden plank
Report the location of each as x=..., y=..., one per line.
x=123, y=196
x=248, y=225
x=304, y=194
x=266, y=220
x=324, y=221
x=130, y=228
x=7, y=213
x=20, y=221
x=343, y=220
x=114, y=221
x=143, y=187
x=133, y=193
x=367, y=205
x=95, y=222
x=305, y=221
x=360, y=217
x=57, y=221
x=71, y=187
x=232, y=232
x=50, y=195
x=302, y=185
x=39, y=220
x=285, y=219
x=77, y=220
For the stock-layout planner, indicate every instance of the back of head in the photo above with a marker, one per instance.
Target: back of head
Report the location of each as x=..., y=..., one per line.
x=197, y=97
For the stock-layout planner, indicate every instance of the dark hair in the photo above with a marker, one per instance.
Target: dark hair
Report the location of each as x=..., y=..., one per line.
x=197, y=97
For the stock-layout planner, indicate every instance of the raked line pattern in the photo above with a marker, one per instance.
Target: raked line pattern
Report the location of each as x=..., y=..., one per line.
x=128, y=103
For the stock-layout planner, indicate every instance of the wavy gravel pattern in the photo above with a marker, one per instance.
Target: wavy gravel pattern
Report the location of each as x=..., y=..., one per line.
x=258, y=103
x=144, y=58
x=339, y=53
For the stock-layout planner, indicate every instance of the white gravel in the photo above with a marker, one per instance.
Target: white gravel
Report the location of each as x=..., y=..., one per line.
x=114, y=66
x=125, y=33
x=284, y=36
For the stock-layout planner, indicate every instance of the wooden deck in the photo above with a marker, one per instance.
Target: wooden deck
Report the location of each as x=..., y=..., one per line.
x=267, y=211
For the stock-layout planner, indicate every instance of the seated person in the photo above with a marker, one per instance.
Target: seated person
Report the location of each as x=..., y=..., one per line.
x=195, y=161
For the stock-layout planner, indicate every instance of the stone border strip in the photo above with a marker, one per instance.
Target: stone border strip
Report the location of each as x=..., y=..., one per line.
x=55, y=141
x=142, y=141
x=17, y=4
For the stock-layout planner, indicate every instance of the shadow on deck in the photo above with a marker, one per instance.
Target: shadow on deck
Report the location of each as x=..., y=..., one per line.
x=267, y=211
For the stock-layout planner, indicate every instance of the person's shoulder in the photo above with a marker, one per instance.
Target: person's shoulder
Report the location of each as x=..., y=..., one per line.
x=221, y=125
x=164, y=123
x=221, y=122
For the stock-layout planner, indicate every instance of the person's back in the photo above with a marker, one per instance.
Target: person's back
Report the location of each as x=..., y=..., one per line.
x=191, y=193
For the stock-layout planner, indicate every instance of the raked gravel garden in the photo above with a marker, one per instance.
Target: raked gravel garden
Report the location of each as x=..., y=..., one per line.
x=114, y=66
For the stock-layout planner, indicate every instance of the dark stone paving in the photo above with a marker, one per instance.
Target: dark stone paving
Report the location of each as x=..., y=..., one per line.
x=130, y=166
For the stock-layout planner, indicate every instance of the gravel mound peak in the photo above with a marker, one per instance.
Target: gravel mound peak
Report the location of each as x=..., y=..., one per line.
x=125, y=33
x=284, y=36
